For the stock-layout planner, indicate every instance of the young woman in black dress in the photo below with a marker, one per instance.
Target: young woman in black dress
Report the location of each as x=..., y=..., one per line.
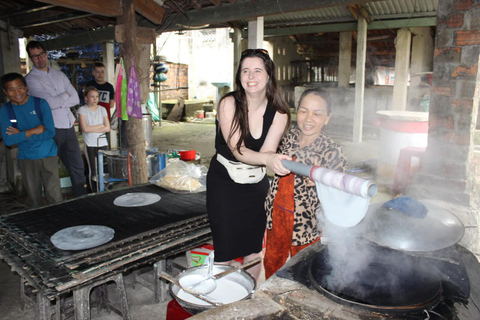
x=250, y=124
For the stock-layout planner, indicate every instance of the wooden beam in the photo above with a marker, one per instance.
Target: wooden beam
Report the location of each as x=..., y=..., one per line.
x=108, y=8
x=216, y=3
x=57, y=21
x=17, y=33
x=403, y=23
x=176, y=7
x=358, y=9
x=195, y=4
x=150, y=10
x=22, y=12
x=349, y=26
x=97, y=36
x=86, y=24
x=32, y=18
x=364, y=13
x=244, y=10
x=144, y=35
x=354, y=11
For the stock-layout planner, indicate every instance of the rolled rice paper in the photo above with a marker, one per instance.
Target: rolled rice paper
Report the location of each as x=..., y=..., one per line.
x=345, y=182
x=344, y=198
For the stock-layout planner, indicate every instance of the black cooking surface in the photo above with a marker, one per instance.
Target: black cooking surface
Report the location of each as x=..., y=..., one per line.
x=99, y=210
x=459, y=270
x=37, y=226
x=143, y=235
x=391, y=279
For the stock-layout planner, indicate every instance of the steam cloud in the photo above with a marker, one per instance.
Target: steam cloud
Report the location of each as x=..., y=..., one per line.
x=365, y=271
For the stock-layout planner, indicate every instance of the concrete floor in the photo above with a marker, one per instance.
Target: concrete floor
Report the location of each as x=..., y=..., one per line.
x=187, y=136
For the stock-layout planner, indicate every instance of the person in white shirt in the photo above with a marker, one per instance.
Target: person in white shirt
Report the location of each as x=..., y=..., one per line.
x=52, y=85
x=94, y=123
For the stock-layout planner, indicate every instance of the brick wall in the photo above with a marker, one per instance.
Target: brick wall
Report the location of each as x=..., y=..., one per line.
x=176, y=83
x=454, y=103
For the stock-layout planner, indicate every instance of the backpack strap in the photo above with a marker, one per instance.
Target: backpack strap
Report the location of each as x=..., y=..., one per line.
x=11, y=114
x=38, y=110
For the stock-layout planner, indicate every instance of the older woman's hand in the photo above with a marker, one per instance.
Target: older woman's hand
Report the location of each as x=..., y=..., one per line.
x=274, y=163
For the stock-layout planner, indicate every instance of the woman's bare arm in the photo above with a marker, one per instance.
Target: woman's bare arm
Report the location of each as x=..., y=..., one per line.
x=267, y=155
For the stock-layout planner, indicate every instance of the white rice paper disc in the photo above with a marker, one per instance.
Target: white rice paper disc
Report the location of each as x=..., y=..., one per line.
x=341, y=208
x=82, y=237
x=136, y=199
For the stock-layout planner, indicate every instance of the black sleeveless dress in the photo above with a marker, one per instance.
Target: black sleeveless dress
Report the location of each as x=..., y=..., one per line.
x=236, y=211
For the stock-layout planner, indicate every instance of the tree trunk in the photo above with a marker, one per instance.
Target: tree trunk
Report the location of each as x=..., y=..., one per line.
x=135, y=135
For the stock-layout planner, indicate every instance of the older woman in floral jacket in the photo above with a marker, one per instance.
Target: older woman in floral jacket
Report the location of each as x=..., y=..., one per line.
x=292, y=200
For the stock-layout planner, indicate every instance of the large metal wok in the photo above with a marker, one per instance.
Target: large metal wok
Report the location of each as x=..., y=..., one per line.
x=407, y=242
x=432, y=230
x=393, y=282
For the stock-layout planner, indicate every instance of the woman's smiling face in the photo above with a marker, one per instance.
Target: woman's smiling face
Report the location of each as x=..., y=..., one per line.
x=254, y=77
x=312, y=115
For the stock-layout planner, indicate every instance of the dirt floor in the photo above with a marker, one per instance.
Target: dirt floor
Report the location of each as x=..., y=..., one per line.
x=186, y=136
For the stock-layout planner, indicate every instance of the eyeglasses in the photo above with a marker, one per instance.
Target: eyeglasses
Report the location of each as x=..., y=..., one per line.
x=248, y=51
x=36, y=56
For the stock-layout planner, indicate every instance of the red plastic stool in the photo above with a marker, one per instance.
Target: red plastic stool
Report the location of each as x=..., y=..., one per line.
x=176, y=312
x=403, y=175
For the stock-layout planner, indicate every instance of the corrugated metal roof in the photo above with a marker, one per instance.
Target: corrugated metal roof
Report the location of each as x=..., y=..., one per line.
x=378, y=10
x=330, y=14
x=398, y=7
x=320, y=45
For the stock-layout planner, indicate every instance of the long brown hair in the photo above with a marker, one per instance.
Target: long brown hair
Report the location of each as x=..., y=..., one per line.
x=273, y=93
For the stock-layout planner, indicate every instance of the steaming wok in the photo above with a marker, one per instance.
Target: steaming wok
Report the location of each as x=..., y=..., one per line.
x=395, y=277
x=406, y=231
x=393, y=281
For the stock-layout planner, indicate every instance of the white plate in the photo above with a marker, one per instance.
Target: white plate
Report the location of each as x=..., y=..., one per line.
x=136, y=199
x=82, y=237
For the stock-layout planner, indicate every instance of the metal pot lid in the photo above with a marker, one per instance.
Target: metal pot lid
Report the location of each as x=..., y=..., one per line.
x=423, y=227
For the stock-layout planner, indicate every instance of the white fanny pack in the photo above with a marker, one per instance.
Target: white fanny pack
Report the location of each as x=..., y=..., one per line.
x=242, y=173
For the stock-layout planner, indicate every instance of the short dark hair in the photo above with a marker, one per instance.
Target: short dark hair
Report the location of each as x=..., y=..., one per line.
x=98, y=64
x=9, y=77
x=88, y=89
x=35, y=45
x=322, y=93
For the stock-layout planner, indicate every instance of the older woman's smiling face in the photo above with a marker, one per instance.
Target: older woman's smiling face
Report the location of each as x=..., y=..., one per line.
x=312, y=115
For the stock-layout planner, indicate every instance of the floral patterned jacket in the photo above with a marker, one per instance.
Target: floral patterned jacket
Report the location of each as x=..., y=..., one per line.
x=329, y=155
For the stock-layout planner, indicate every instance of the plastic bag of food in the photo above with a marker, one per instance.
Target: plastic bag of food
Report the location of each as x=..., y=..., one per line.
x=182, y=177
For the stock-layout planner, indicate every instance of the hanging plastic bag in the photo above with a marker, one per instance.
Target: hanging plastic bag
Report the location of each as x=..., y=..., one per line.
x=134, y=104
x=182, y=177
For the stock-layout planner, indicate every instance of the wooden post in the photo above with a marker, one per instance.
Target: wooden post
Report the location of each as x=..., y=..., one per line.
x=135, y=136
x=360, y=80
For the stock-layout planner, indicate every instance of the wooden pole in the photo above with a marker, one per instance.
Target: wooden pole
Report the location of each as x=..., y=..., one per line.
x=135, y=136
